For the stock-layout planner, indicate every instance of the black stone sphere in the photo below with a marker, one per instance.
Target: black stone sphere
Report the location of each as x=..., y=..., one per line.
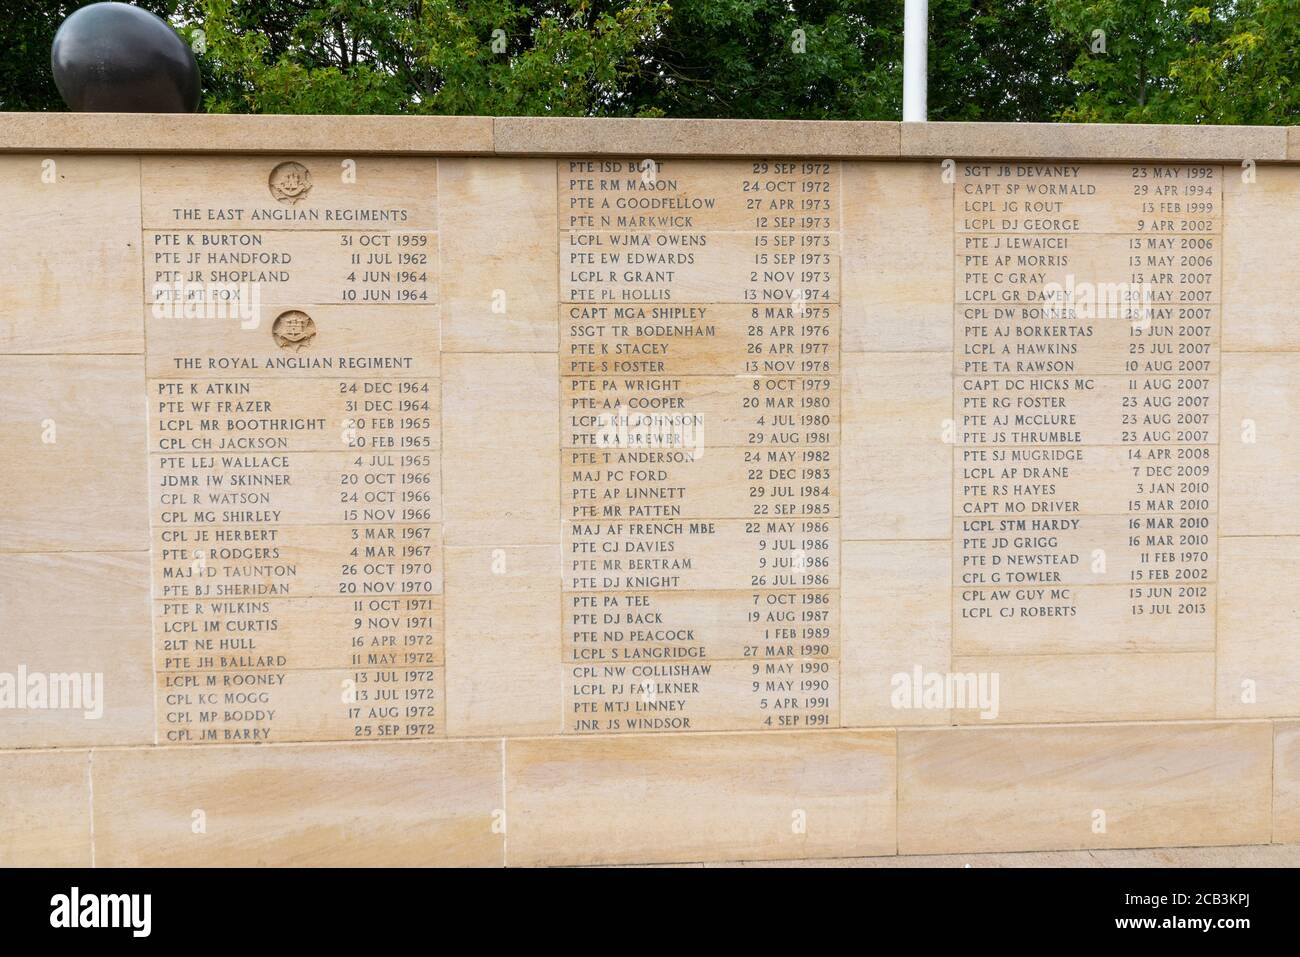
x=116, y=58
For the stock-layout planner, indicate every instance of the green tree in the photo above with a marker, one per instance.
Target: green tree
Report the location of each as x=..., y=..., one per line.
x=1126, y=67
x=568, y=57
x=813, y=59
x=842, y=59
x=1187, y=61
x=1250, y=73
x=997, y=60
x=1183, y=61
x=810, y=59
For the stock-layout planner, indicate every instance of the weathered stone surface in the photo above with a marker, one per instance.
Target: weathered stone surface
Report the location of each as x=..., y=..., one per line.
x=1093, y=141
x=464, y=478
x=733, y=796
x=1084, y=786
x=426, y=804
x=262, y=133
x=658, y=139
x=45, y=809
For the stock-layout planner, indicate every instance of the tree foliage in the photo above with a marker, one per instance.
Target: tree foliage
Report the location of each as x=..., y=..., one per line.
x=809, y=59
x=497, y=57
x=997, y=60
x=1184, y=61
x=1158, y=61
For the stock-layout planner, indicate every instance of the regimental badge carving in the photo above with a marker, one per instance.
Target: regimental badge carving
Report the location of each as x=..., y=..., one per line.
x=289, y=182
x=293, y=330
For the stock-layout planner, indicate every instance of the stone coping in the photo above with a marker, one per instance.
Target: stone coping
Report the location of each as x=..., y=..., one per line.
x=648, y=138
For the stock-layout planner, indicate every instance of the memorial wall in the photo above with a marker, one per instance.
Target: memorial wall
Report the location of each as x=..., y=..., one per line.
x=516, y=491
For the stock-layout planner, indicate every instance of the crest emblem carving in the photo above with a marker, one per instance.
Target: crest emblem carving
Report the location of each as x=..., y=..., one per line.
x=293, y=330
x=289, y=182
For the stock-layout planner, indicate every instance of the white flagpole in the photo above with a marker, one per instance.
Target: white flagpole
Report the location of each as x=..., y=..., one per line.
x=915, y=51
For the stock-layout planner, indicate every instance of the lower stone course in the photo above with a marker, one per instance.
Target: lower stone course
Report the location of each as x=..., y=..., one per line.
x=1250, y=855
x=1083, y=795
